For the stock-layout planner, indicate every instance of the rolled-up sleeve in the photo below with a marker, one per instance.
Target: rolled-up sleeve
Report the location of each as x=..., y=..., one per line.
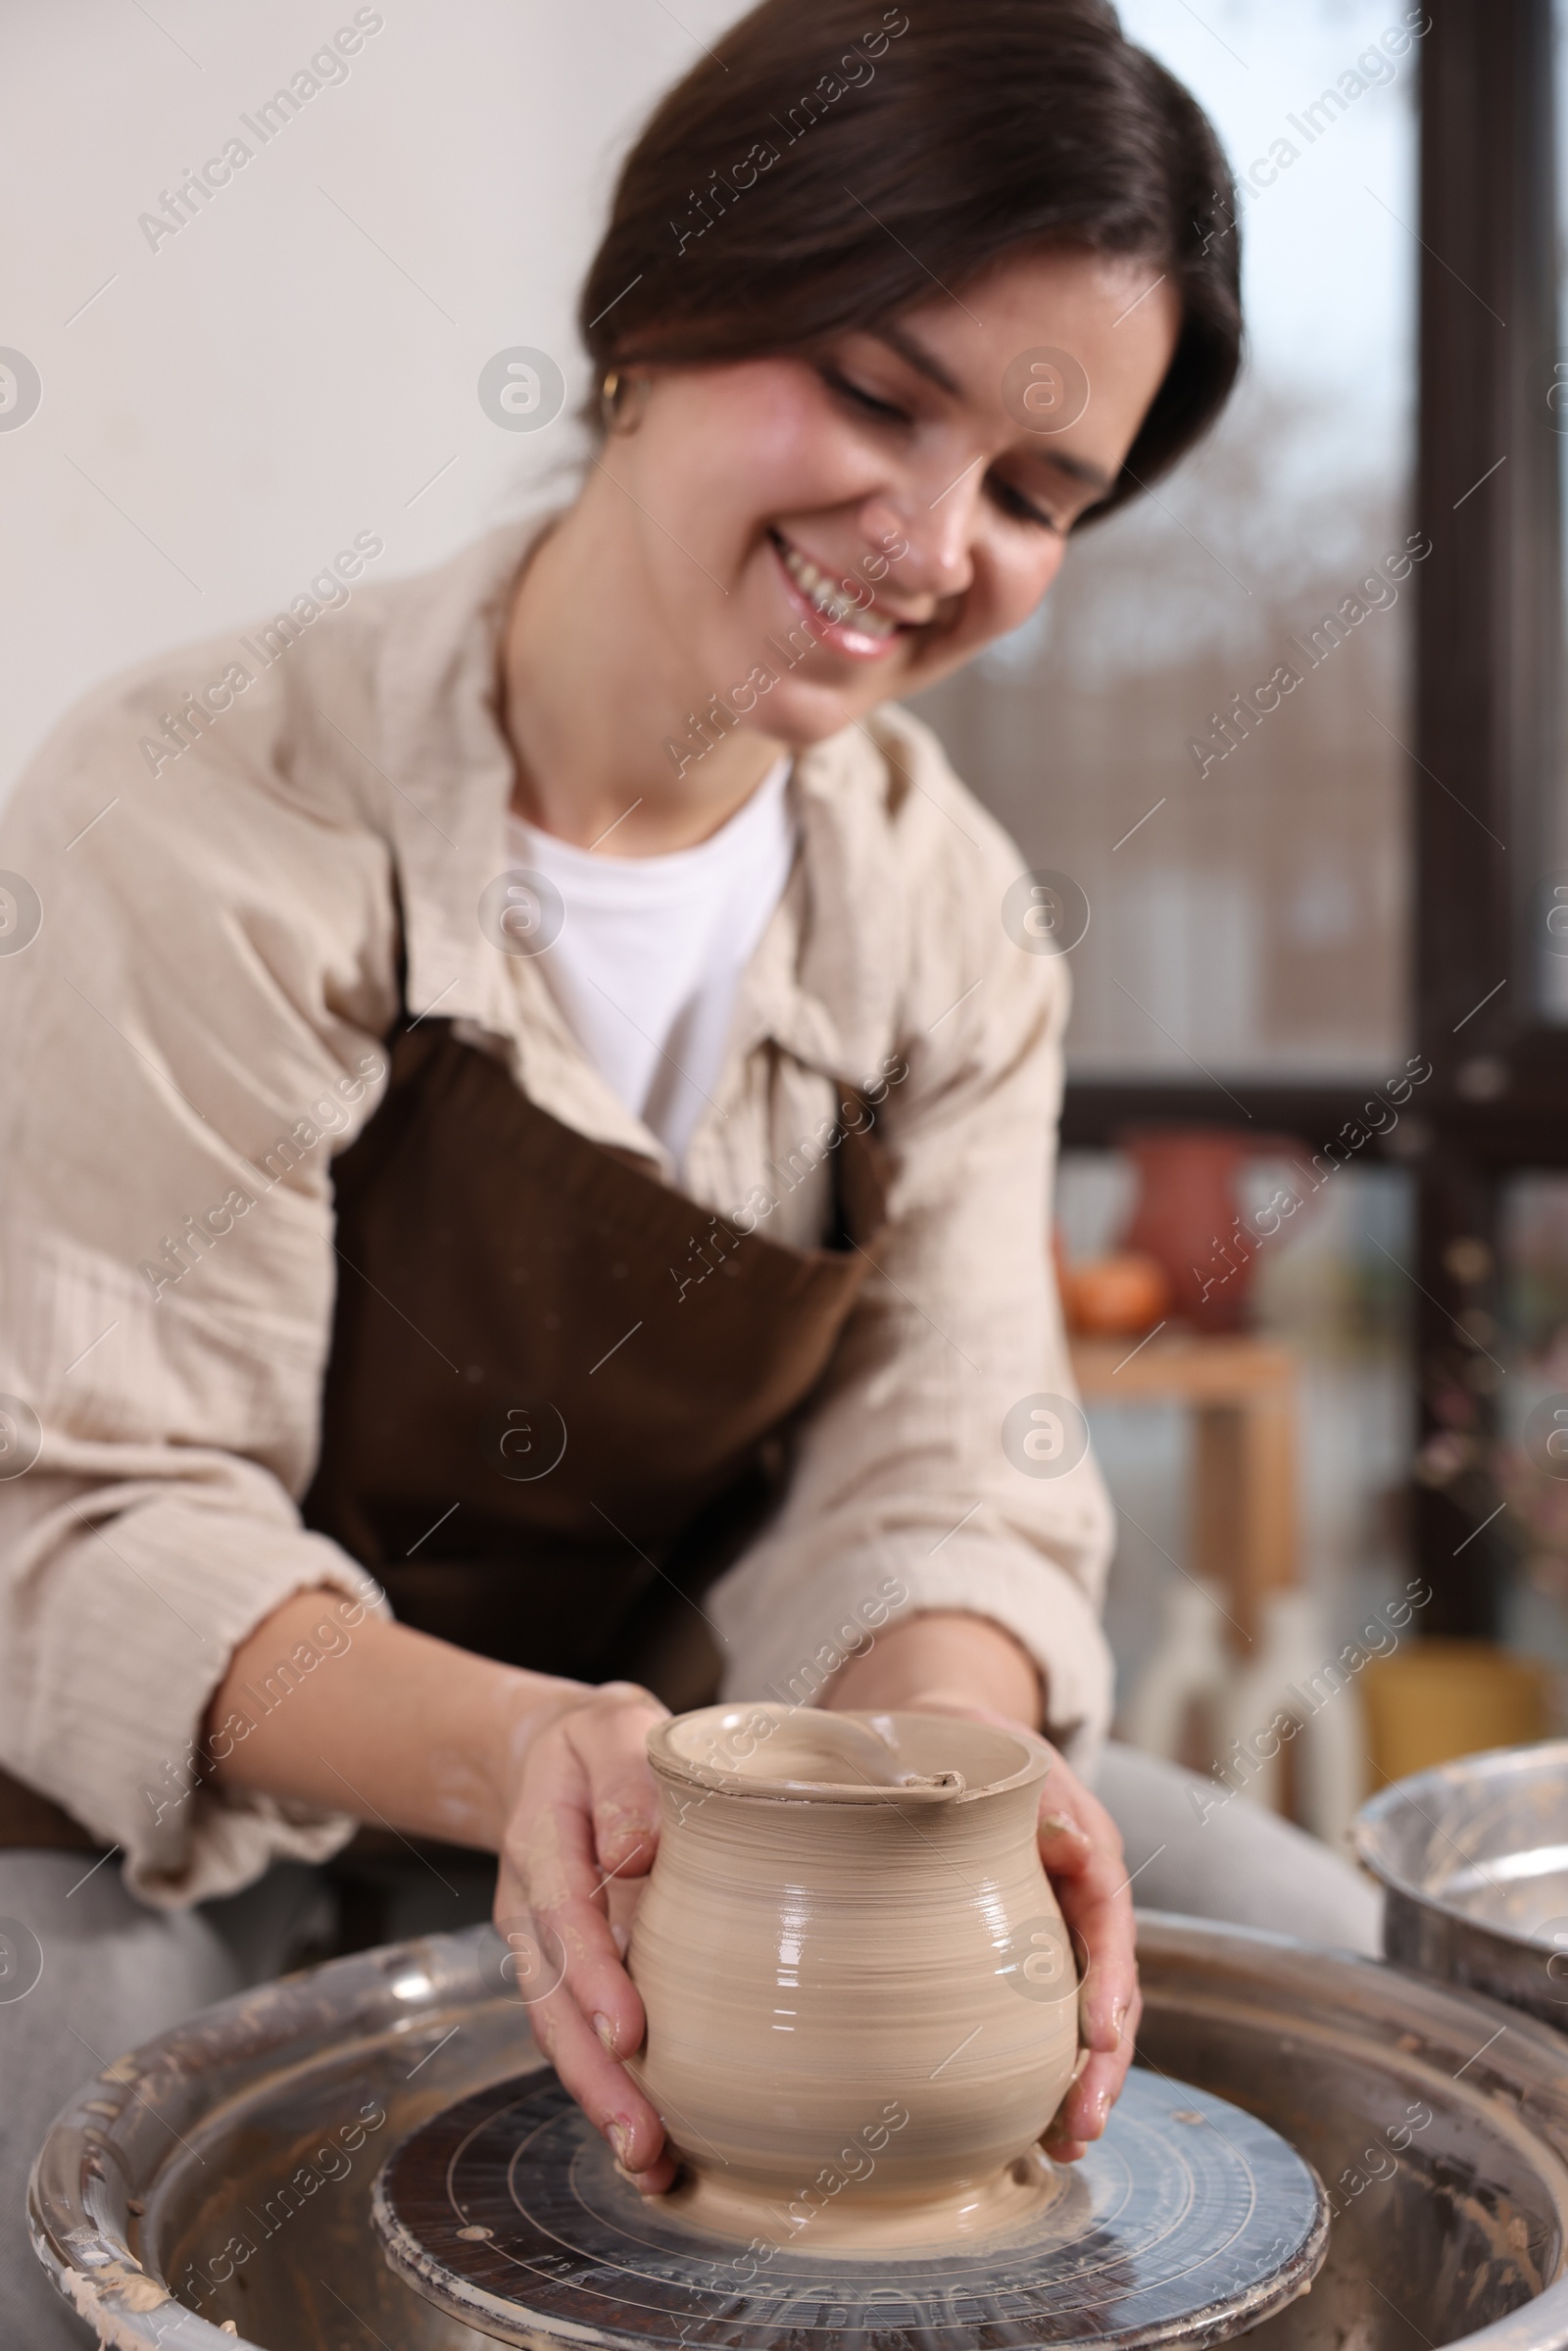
x=191, y=1033
x=912, y=1489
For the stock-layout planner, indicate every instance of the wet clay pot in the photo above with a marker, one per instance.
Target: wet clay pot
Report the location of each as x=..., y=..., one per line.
x=861, y=1999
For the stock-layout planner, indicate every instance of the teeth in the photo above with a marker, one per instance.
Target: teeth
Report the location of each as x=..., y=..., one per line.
x=827, y=599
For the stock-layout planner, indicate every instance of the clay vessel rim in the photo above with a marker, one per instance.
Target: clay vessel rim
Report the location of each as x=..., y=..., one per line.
x=950, y=1787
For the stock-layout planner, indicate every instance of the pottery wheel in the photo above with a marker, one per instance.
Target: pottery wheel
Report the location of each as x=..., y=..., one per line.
x=1189, y=2221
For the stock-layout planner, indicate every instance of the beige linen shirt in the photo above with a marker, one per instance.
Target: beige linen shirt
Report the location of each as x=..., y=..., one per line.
x=197, y=1028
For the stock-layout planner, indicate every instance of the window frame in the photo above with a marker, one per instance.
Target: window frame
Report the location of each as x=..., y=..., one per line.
x=1488, y=657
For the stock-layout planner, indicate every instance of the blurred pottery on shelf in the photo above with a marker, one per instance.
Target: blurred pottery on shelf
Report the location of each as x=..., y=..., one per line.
x=855, y=1972
x=1118, y=1296
x=1189, y=1215
x=1256, y=1730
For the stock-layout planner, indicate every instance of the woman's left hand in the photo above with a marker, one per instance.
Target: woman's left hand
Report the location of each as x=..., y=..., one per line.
x=972, y=1668
x=1081, y=1847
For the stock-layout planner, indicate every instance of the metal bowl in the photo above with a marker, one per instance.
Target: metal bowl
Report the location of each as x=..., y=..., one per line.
x=1473, y=1859
x=228, y=2166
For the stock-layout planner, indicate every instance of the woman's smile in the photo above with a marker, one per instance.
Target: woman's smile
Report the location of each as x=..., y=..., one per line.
x=834, y=616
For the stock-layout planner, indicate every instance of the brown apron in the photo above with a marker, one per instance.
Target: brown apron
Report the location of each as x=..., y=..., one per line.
x=557, y=1400
x=559, y=1394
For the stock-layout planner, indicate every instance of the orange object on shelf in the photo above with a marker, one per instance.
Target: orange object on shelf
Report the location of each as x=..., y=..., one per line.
x=1119, y=1297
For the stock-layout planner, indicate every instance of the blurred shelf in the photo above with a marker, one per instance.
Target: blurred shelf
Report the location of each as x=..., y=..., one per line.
x=1183, y=1367
x=1242, y=1393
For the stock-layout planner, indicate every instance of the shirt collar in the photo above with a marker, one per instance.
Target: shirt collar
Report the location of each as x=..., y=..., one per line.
x=823, y=982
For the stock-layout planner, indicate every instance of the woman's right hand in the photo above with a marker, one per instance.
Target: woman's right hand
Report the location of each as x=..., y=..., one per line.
x=551, y=1774
x=580, y=1831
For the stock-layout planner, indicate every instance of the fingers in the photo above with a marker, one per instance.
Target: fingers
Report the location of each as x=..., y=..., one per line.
x=623, y=1894
x=588, y=1819
x=623, y=1811
x=1056, y=2138
x=614, y=1745
x=1081, y=1848
x=604, y=2090
x=584, y=1822
x=1082, y=2115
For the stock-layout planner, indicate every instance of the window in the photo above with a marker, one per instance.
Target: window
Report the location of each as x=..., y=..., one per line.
x=1369, y=870
x=1206, y=723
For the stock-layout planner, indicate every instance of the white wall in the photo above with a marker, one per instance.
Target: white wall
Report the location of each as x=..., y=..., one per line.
x=240, y=400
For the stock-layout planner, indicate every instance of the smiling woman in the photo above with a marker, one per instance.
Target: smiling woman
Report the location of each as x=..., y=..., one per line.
x=969, y=293
x=832, y=526
x=822, y=425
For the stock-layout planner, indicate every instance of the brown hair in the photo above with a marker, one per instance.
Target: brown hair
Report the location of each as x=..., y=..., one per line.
x=835, y=162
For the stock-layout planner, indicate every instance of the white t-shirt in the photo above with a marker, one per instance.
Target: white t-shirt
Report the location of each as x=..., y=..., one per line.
x=647, y=964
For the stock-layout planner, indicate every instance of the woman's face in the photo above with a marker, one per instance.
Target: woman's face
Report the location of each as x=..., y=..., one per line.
x=855, y=527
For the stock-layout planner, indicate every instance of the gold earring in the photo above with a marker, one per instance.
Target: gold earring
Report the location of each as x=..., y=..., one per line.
x=613, y=404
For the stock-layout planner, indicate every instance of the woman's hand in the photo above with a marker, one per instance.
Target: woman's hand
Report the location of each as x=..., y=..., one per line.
x=942, y=1663
x=1081, y=1847
x=581, y=1828
x=549, y=1774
